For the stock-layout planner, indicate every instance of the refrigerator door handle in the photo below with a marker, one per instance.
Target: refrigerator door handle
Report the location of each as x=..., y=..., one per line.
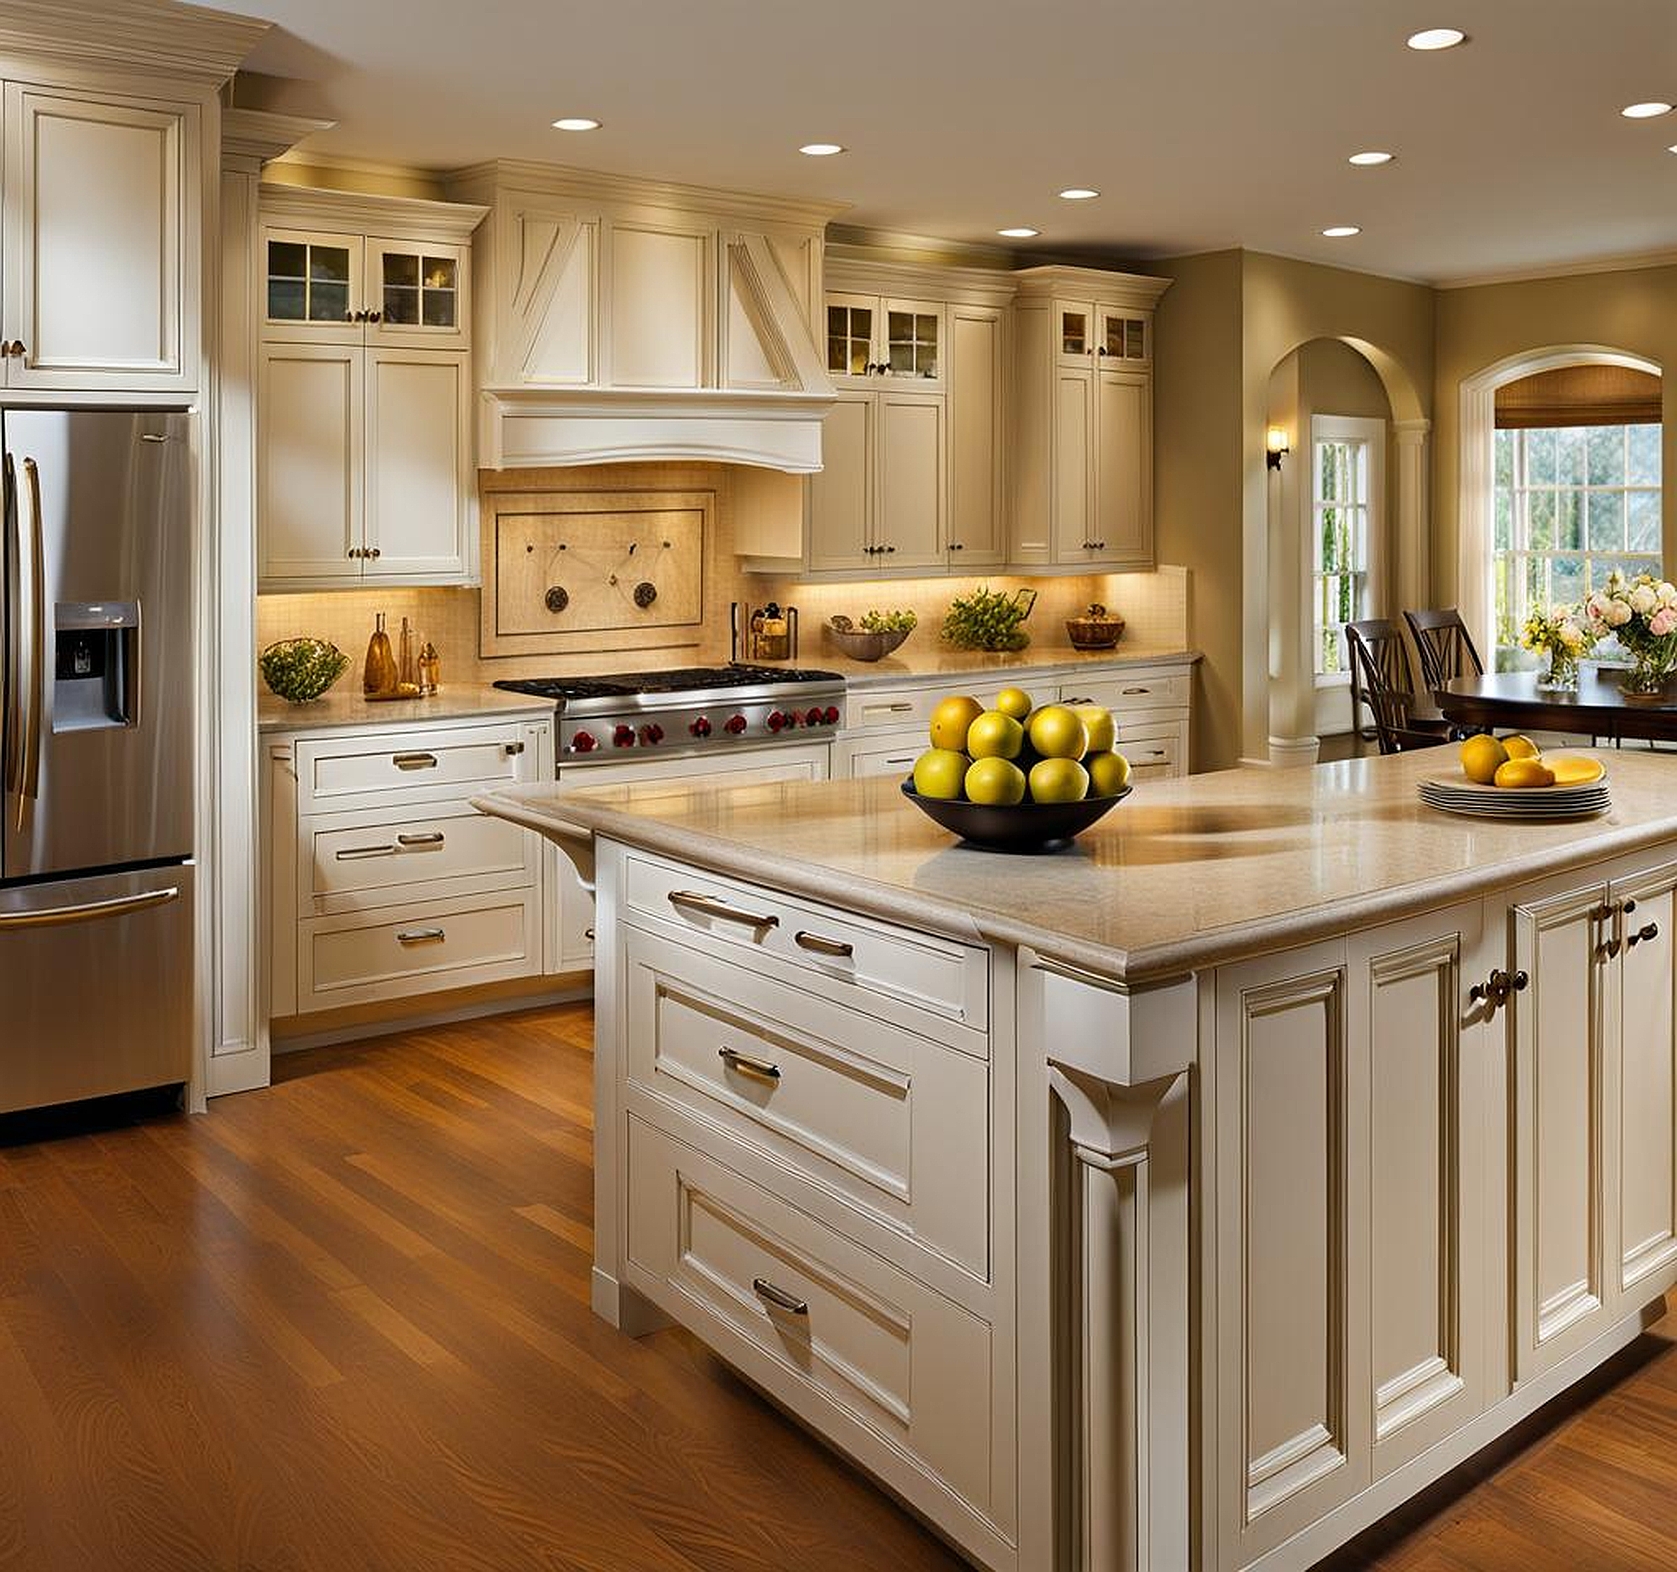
x=91, y=911
x=29, y=771
x=11, y=708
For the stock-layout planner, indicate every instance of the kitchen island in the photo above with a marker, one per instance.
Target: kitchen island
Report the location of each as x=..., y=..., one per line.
x=1189, y=1200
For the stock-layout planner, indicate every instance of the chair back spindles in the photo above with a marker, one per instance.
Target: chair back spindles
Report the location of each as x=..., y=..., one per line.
x=1445, y=647
x=1381, y=681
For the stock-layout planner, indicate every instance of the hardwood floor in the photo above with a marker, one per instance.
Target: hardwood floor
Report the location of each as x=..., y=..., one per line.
x=343, y=1324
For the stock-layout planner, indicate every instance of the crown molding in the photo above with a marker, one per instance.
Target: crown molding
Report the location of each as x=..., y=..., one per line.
x=264, y=135
x=484, y=181
x=1140, y=290
x=859, y=270
x=308, y=206
x=180, y=41
x=1626, y=262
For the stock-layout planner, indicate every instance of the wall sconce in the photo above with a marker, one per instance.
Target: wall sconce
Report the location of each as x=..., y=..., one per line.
x=1276, y=447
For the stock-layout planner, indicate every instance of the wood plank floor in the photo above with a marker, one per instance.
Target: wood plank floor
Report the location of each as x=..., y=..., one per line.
x=343, y=1324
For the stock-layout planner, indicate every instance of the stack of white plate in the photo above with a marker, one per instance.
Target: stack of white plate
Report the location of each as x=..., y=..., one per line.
x=1457, y=794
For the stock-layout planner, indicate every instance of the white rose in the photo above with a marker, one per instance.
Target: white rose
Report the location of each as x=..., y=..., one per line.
x=1667, y=593
x=1618, y=614
x=1644, y=600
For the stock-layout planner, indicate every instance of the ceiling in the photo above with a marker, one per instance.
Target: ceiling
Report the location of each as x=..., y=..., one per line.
x=1203, y=123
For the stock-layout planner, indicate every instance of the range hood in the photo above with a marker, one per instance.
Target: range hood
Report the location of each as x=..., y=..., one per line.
x=624, y=321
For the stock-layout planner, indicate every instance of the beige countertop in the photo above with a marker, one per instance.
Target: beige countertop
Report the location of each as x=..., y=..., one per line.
x=924, y=658
x=344, y=706
x=1184, y=874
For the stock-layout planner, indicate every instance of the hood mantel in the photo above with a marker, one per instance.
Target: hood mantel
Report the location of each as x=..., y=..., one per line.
x=533, y=428
x=622, y=321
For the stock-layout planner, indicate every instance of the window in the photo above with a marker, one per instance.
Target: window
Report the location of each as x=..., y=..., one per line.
x=1572, y=504
x=1346, y=464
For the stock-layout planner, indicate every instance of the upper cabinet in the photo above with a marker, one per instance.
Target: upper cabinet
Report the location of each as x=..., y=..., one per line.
x=1082, y=485
x=365, y=467
x=102, y=242
x=874, y=338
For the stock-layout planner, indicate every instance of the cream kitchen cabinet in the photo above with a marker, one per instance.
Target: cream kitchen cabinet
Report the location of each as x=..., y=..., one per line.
x=1082, y=477
x=872, y=338
x=102, y=242
x=977, y=377
x=365, y=465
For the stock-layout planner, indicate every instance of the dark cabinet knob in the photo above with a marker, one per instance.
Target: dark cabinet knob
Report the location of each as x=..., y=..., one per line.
x=1646, y=931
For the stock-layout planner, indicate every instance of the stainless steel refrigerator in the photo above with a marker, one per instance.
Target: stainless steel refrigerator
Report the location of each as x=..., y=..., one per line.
x=96, y=740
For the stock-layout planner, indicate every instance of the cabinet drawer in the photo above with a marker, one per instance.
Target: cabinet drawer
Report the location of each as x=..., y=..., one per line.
x=892, y=758
x=897, y=1125
x=351, y=861
x=895, y=707
x=1139, y=691
x=422, y=764
x=352, y=959
x=1151, y=749
x=795, y=1305
x=855, y=955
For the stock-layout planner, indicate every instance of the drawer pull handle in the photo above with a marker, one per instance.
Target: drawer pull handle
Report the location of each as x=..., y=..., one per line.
x=895, y=709
x=1156, y=753
x=778, y=1297
x=694, y=901
x=588, y=934
x=1128, y=691
x=414, y=761
x=514, y=749
x=356, y=853
x=429, y=838
x=817, y=945
x=421, y=936
x=744, y=1064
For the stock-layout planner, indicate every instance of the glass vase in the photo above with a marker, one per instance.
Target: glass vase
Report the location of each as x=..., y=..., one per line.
x=1562, y=675
x=1645, y=682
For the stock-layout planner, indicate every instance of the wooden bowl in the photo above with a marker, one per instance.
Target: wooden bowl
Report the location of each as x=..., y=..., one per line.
x=1094, y=633
x=1026, y=827
x=867, y=646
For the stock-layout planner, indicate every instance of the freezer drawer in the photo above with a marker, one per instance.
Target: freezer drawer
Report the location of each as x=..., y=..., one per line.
x=96, y=979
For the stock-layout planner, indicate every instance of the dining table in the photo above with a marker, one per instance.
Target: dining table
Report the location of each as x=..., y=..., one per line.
x=1597, y=707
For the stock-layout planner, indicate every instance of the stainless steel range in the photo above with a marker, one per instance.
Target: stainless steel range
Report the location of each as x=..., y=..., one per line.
x=696, y=710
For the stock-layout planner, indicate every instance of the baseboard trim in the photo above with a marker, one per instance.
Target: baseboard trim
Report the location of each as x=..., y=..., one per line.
x=364, y=1030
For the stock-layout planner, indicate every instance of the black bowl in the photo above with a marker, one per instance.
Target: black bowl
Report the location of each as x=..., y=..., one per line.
x=1025, y=827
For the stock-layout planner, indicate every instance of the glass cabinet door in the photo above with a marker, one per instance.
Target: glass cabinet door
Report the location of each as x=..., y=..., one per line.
x=1123, y=336
x=416, y=290
x=310, y=285
x=1075, y=325
x=850, y=325
x=914, y=339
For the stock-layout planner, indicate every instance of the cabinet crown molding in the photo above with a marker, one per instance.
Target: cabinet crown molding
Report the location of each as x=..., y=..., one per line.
x=361, y=213
x=184, y=42
x=1123, y=289
x=263, y=134
x=852, y=270
x=483, y=181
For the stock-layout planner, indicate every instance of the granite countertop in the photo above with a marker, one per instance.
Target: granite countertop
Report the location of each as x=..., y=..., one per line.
x=925, y=659
x=1183, y=875
x=344, y=706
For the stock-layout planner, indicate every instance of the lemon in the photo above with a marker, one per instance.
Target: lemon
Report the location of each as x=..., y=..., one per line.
x=940, y=772
x=1098, y=723
x=1573, y=769
x=1524, y=773
x=1015, y=702
x=1109, y=773
x=1482, y=757
x=951, y=720
x=1059, y=780
x=999, y=782
x=1059, y=733
x=995, y=736
x=1520, y=746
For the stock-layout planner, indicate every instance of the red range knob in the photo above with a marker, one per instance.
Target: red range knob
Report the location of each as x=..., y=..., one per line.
x=734, y=725
x=700, y=727
x=777, y=721
x=813, y=718
x=583, y=742
x=652, y=735
x=623, y=737
x=830, y=715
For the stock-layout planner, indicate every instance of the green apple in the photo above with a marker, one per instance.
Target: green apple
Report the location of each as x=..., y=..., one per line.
x=1015, y=702
x=996, y=781
x=939, y=773
x=1109, y=773
x=1097, y=722
x=995, y=736
x=1058, y=732
x=1059, y=780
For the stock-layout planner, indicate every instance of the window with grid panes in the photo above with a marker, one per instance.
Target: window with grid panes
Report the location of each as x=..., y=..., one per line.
x=1340, y=525
x=1572, y=504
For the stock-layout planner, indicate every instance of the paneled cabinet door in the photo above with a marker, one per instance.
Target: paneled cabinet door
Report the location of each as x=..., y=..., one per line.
x=416, y=293
x=308, y=461
x=419, y=473
x=1123, y=449
x=841, y=494
x=977, y=437
x=102, y=241
x=660, y=298
x=1074, y=465
x=1562, y=968
x=1122, y=336
x=312, y=287
x=909, y=532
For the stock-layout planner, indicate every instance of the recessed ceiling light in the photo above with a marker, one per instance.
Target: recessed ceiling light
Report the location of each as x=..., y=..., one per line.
x=1437, y=38
x=1019, y=232
x=1368, y=160
x=821, y=149
x=576, y=123
x=1651, y=110
x=1079, y=194
x=1342, y=231
x=1672, y=148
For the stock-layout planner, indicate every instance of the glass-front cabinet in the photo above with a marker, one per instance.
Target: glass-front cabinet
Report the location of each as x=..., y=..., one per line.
x=1075, y=332
x=1088, y=334
x=311, y=287
x=346, y=289
x=417, y=292
x=872, y=339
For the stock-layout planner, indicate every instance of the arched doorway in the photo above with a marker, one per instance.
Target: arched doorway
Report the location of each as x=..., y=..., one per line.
x=1476, y=504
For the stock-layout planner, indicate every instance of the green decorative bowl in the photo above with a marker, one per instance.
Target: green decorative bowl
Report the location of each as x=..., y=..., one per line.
x=301, y=669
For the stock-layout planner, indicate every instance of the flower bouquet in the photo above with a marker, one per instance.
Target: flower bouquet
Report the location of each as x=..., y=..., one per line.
x=1562, y=635
x=1642, y=614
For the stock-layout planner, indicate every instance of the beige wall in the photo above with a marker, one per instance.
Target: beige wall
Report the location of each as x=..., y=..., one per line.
x=1633, y=311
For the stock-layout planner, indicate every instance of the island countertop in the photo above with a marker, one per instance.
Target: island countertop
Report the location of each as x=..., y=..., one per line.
x=1183, y=875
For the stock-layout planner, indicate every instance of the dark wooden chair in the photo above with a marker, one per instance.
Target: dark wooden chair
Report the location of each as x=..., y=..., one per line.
x=1381, y=681
x=1445, y=647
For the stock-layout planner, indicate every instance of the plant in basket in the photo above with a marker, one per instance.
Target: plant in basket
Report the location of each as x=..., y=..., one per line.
x=1641, y=613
